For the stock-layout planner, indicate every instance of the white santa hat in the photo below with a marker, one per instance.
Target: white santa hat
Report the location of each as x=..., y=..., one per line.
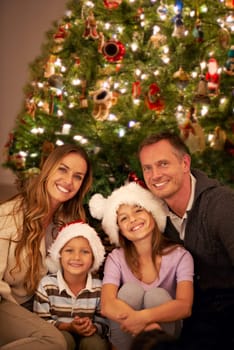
x=68, y=232
x=105, y=209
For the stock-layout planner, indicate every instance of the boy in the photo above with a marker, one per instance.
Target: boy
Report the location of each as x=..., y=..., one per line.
x=69, y=297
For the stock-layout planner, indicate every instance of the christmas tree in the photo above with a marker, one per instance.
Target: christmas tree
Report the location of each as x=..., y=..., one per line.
x=113, y=71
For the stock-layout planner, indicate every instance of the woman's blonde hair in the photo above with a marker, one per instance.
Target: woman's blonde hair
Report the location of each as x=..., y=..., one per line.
x=35, y=205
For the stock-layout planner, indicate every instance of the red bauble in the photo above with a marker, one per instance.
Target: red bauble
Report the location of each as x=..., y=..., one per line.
x=153, y=99
x=113, y=51
x=112, y=4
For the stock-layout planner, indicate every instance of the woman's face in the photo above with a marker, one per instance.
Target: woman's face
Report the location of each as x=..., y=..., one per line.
x=135, y=222
x=66, y=179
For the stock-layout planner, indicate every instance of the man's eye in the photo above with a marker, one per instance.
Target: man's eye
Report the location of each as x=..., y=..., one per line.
x=163, y=164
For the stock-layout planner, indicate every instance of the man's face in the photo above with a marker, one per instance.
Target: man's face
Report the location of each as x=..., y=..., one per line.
x=163, y=169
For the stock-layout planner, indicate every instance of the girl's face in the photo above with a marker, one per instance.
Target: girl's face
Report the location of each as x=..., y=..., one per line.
x=76, y=257
x=135, y=222
x=66, y=179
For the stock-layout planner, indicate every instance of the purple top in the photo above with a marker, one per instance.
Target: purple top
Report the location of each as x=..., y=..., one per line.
x=176, y=266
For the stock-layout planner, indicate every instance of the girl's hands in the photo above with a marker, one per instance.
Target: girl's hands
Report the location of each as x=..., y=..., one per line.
x=134, y=322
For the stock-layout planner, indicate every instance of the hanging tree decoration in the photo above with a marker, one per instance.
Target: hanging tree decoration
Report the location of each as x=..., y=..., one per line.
x=113, y=51
x=229, y=66
x=153, y=99
x=112, y=4
x=198, y=32
x=192, y=132
x=181, y=78
x=179, y=28
x=90, y=27
x=103, y=100
x=224, y=38
x=201, y=94
x=229, y=4
x=212, y=77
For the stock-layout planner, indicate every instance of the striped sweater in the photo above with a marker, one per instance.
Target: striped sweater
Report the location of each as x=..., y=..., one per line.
x=55, y=302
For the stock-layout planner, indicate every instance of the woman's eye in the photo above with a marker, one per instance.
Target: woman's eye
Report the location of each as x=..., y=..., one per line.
x=62, y=169
x=78, y=177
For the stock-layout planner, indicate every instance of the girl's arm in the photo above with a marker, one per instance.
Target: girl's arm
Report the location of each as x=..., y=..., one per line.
x=176, y=309
x=111, y=306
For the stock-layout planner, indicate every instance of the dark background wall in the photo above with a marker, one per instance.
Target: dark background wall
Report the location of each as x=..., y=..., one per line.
x=23, y=24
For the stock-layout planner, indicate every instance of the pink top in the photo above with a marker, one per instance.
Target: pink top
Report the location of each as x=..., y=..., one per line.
x=176, y=266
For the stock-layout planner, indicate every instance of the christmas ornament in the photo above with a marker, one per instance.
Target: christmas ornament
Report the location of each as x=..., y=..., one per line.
x=50, y=66
x=219, y=139
x=201, y=94
x=153, y=99
x=179, y=28
x=229, y=66
x=56, y=81
x=198, y=32
x=162, y=10
x=103, y=100
x=132, y=177
x=112, y=4
x=229, y=4
x=136, y=89
x=113, y=51
x=62, y=33
x=212, y=77
x=18, y=160
x=229, y=20
x=90, y=27
x=182, y=78
x=224, y=38
x=157, y=40
x=192, y=133
x=30, y=107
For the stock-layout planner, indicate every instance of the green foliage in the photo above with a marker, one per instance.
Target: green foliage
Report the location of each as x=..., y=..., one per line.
x=70, y=54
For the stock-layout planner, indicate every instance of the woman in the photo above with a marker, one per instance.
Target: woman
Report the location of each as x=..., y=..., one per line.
x=28, y=225
x=148, y=281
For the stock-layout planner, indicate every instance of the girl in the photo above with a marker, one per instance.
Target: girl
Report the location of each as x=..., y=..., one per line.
x=148, y=281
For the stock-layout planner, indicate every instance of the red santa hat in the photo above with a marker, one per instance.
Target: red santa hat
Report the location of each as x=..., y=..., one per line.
x=68, y=232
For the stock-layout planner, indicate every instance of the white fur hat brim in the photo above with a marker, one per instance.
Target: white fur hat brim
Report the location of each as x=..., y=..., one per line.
x=105, y=209
x=68, y=232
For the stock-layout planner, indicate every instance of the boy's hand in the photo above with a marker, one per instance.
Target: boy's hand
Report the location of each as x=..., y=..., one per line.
x=83, y=326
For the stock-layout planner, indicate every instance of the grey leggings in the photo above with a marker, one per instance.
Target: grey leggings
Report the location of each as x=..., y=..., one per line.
x=135, y=296
x=23, y=330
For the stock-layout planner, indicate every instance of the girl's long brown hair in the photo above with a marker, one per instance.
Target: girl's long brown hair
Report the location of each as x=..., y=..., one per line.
x=161, y=245
x=35, y=205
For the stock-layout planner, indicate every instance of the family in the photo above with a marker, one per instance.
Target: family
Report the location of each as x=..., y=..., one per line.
x=168, y=283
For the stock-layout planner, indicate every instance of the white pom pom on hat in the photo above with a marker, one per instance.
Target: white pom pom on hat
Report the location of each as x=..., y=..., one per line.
x=73, y=230
x=105, y=209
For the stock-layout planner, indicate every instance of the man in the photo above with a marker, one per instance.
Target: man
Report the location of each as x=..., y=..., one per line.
x=201, y=216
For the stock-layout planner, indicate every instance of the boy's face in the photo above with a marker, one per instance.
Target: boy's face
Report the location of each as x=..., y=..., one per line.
x=76, y=257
